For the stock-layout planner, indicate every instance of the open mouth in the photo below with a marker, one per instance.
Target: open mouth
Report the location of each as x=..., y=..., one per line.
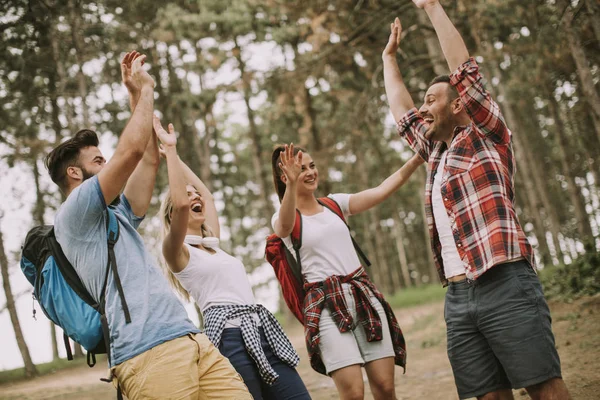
x=196, y=207
x=428, y=120
x=310, y=181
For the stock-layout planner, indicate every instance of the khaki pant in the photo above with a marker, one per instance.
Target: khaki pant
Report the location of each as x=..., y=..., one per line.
x=189, y=367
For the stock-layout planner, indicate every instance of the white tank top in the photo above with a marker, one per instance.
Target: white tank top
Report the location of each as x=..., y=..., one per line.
x=215, y=279
x=453, y=265
x=327, y=247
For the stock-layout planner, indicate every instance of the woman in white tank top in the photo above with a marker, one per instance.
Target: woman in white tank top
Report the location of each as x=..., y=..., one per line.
x=245, y=332
x=347, y=321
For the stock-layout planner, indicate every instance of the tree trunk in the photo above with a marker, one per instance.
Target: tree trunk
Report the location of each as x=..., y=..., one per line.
x=30, y=370
x=77, y=35
x=583, y=70
x=38, y=216
x=56, y=85
x=583, y=219
x=374, y=272
x=531, y=203
x=587, y=141
x=399, y=234
x=523, y=155
x=54, y=341
x=258, y=159
x=380, y=253
x=593, y=11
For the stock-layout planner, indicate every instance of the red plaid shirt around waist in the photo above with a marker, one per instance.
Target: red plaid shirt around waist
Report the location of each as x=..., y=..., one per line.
x=329, y=293
x=477, y=183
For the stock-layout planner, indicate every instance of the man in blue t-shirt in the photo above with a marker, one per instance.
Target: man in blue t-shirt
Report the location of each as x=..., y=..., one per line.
x=158, y=354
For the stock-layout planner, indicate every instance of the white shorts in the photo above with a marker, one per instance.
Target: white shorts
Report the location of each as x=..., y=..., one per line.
x=339, y=350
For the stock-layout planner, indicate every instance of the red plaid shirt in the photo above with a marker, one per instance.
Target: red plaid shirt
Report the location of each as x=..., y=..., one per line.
x=477, y=182
x=329, y=293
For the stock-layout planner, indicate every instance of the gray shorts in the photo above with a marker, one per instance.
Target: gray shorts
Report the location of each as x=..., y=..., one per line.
x=339, y=350
x=499, y=331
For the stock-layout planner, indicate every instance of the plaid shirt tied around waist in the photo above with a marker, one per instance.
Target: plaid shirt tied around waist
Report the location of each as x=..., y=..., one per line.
x=329, y=293
x=477, y=182
x=215, y=318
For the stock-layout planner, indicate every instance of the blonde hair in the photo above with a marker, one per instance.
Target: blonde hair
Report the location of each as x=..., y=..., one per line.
x=166, y=209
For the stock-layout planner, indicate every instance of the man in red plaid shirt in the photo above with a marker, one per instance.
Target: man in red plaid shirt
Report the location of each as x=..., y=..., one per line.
x=498, y=323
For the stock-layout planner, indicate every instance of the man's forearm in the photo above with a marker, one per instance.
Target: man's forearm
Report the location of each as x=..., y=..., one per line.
x=397, y=94
x=452, y=43
x=133, y=100
x=138, y=131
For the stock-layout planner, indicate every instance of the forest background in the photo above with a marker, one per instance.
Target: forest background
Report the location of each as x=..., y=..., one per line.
x=235, y=77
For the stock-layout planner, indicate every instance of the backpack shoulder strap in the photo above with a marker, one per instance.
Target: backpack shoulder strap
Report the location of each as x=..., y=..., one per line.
x=112, y=226
x=112, y=235
x=296, y=235
x=334, y=207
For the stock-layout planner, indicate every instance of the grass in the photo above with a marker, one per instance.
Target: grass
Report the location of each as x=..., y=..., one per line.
x=15, y=375
x=416, y=296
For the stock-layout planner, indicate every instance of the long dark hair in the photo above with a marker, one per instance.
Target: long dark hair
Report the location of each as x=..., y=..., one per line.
x=277, y=172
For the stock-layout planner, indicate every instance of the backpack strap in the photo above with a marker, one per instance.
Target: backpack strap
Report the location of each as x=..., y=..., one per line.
x=112, y=235
x=334, y=207
x=296, y=237
x=112, y=232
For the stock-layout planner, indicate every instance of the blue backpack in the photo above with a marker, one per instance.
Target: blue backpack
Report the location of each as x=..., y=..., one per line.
x=61, y=294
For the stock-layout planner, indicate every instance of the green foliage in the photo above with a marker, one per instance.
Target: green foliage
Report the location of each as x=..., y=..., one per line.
x=580, y=278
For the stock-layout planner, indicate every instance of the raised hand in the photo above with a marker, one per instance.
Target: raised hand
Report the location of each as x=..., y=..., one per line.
x=168, y=140
x=394, y=40
x=290, y=165
x=139, y=76
x=425, y=3
x=131, y=86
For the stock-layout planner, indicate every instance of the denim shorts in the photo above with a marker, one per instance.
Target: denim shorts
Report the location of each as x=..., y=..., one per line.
x=499, y=331
x=339, y=350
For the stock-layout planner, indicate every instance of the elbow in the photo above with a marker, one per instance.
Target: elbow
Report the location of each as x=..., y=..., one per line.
x=284, y=231
x=134, y=154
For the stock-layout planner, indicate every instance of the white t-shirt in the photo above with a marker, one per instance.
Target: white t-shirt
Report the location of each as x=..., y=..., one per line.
x=453, y=265
x=215, y=279
x=327, y=247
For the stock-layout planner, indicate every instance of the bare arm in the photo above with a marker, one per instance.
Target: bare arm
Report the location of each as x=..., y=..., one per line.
x=210, y=210
x=369, y=198
x=134, y=138
x=173, y=249
x=140, y=185
x=410, y=124
x=396, y=92
x=292, y=167
x=452, y=43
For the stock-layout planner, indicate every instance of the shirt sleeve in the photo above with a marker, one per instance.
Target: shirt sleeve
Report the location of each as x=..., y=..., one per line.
x=343, y=199
x=483, y=110
x=412, y=127
x=81, y=212
x=124, y=208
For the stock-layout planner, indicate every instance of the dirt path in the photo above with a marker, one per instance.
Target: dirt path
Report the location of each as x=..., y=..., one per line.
x=576, y=326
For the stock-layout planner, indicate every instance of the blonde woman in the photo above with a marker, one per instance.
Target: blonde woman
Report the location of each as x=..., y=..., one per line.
x=245, y=332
